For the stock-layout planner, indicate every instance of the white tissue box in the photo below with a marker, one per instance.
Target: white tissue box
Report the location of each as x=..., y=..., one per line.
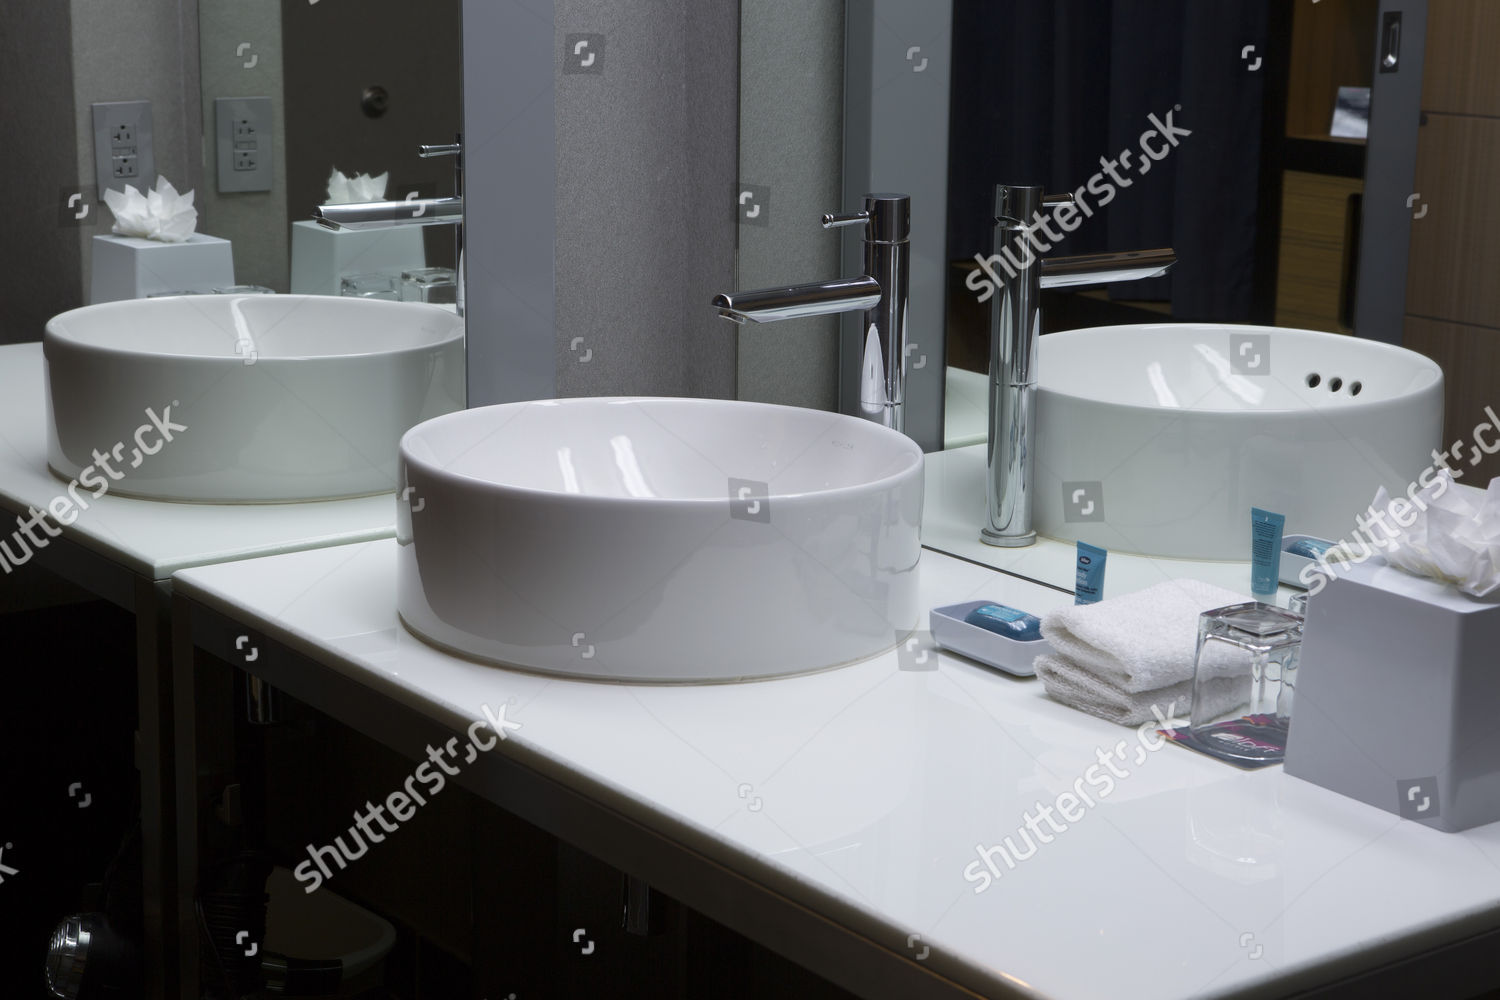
x=128, y=267
x=1398, y=697
x=322, y=256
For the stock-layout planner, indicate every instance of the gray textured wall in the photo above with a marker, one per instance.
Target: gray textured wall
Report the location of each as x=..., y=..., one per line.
x=600, y=201
x=791, y=144
x=40, y=265
x=254, y=221
x=647, y=163
x=143, y=50
x=56, y=59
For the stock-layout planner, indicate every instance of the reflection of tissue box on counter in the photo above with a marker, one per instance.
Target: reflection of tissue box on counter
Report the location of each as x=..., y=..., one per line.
x=1398, y=692
x=128, y=267
x=321, y=256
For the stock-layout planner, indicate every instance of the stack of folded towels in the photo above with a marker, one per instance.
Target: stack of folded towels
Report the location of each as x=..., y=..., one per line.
x=1119, y=657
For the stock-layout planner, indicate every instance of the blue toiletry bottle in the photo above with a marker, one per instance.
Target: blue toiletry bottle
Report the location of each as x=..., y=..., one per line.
x=1088, y=588
x=1006, y=621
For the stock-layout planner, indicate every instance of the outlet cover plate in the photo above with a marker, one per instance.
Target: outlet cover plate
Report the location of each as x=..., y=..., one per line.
x=242, y=127
x=123, y=147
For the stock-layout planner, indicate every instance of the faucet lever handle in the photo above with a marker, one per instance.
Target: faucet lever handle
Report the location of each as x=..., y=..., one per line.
x=831, y=221
x=1058, y=199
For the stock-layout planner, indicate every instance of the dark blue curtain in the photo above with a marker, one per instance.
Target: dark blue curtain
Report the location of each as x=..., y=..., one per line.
x=1042, y=89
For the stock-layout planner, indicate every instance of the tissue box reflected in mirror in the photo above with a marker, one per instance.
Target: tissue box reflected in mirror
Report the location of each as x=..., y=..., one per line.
x=128, y=267
x=322, y=257
x=1397, y=697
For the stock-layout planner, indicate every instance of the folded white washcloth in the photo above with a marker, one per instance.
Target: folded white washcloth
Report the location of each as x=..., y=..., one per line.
x=1117, y=658
x=1078, y=688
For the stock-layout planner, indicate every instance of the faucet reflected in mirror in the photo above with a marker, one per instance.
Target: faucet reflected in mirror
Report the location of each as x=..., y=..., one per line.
x=882, y=293
x=1015, y=334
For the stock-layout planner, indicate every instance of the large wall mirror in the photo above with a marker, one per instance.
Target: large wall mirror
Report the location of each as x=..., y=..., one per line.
x=353, y=88
x=1308, y=163
x=1207, y=128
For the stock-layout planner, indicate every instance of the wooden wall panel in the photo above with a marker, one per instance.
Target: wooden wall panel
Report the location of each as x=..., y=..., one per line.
x=1462, y=73
x=1333, y=46
x=1454, y=267
x=1314, y=217
x=1470, y=359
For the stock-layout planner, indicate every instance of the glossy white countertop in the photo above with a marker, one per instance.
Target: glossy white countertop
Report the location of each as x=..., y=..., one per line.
x=156, y=538
x=862, y=794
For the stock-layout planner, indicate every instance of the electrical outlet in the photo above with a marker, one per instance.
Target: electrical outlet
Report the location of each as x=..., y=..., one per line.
x=122, y=144
x=243, y=133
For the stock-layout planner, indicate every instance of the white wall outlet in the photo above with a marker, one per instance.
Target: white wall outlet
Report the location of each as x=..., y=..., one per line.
x=123, y=151
x=243, y=133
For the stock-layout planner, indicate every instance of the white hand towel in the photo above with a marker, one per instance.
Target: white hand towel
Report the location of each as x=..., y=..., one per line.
x=1089, y=692
x=1117, y=658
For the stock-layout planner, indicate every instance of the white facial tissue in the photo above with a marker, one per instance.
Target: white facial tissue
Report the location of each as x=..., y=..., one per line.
x=161, y=214
x=1456, y=539
x=345, y=190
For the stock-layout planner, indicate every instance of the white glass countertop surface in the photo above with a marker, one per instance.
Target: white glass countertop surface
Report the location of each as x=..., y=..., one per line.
x=864, y=793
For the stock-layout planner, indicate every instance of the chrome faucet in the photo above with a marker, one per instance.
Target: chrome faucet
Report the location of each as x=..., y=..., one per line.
x=882, y=293
x=1015, y=329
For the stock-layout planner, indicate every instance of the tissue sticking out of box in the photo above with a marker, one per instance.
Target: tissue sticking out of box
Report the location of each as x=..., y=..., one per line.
x=346, y=190
x=160, y=214
x=1447, y=532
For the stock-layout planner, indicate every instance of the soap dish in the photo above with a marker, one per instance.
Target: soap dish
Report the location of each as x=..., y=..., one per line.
x=950, y=631
x=1292, y=564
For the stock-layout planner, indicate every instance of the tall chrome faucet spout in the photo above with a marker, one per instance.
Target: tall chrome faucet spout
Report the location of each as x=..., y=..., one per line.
x=881, y=293
x=1015, y=333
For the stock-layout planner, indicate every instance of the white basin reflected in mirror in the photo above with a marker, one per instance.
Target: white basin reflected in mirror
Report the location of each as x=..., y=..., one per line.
x=282, y=397
x=648, y=539
x=1174, y=431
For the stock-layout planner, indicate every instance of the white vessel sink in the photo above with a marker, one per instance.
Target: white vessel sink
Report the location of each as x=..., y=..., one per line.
x=659, y=539
x=283, y=397
x=1174, y=431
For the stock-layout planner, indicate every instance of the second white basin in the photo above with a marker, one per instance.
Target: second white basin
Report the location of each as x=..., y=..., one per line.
x=659, y=539
x=281, y=397
x=1159, y=438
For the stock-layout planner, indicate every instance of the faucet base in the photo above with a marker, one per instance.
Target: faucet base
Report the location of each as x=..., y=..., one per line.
x=989, y=537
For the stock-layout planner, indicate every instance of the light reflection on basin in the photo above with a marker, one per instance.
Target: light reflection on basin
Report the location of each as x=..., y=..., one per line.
x=283, y=397
x=1174, y=431
x=659, y=539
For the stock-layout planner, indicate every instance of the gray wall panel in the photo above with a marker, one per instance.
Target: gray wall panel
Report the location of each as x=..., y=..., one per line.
x=647, y=161
x=509, y=194
x=40, y=258
x=791, y=143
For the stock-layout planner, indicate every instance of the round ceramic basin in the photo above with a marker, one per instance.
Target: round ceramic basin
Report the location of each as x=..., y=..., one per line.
x=277, y=397
x=1159, y=438
x=659, y=539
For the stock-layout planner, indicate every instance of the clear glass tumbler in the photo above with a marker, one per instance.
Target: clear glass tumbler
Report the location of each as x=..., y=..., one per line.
x=1244, y=681
x=369, y=286
x=430, y=284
